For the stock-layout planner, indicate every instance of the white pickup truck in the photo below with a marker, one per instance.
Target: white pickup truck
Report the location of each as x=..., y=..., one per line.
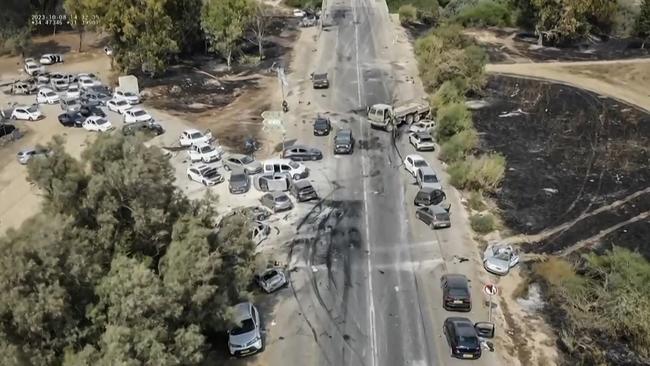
x=386, y=117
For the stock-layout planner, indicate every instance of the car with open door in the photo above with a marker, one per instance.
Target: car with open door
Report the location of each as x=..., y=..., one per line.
x=462, y=338
x=500, y=258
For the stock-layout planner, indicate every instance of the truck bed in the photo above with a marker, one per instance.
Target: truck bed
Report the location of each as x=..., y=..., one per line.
x=410, y=108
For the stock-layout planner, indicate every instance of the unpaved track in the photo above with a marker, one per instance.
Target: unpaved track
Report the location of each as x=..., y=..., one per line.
x=624, y=80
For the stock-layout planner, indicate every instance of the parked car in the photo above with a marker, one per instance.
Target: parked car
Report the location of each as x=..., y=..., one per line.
x=322, y=126
x=97, y=124
x=320, y=81
x=272, y=182
x=93, y=97
x=426, y=126
x=192, y=137
x=204, y=174
x=88, y=110
x=276, y=201
x=87, y=82
x=303, y=191
x=428, y=196
x=343, y=142
x=32, y=67
x=59, y=84
x=119, y=106
x=24, y=156
x=23, y=88
x=294, y=170
x=462, y=337
x=239, y=182
x=51, y=58
x=271, y=280
x=246, y=337
x=434, y=216
x=302, y=153
x=260, y=232
x=204, y=152
x=455, y=292
x=70, y=104
x=73, y=91
x=71, y=119
x=422, y=141
x=31, y=113
x=307, y=21
x=136, y=114
x=499, y=258
x=245, y=162
x=41, y=78
x=427, y=177
x=47, y=96
x=58, y=76
x=129, y=97
x=413, y=162
x=146, y=127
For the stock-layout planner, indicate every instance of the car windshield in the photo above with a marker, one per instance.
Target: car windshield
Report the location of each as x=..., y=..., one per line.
x=129, y=94
x=121, y=102
x=281, y=198
x=139, y=113
x=196, y=135
x=269, y=275
x=246, y=160
x=321, y=122
x=246, y=326
x=458, y=292
x=468, y=342
x=32, y=109
x=207, y=149
x=502, y=254
x=73, y=88
x=426, y=139
x=238, y=178
x=50, y=94
x=343, y=138
x=101, y=121
x=60, y=81
x=320, y=76
x=420, y=163
x=210, y=173
x=294, y=165
x=430, y=179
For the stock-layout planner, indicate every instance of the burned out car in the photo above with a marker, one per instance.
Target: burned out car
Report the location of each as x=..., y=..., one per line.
x=271, y=280
x=303, y=191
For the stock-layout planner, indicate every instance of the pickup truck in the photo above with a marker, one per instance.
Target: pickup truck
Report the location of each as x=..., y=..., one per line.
x=386, y=117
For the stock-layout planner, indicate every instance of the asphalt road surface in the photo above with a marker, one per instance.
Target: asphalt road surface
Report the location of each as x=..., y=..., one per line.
x=365, y=273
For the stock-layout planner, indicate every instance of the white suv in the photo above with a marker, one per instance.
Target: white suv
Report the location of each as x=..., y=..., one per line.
x=295, y=170
x=194, y=137
x=204, y=152
x=422, y=141
x=204, y=174
x=31, y=66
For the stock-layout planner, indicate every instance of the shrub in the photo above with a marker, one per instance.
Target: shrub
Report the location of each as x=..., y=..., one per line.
x=475, y=201
x=407, y=14
x=302, y=4
x=430, y=13
x=452, y=119
x=451, y=91
x=459, y=145
x=483, y=223
x=484, y=173
x=485, y=13
x=420, y=5
x=454, y=7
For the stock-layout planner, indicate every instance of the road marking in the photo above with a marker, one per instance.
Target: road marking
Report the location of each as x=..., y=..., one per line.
x=356, y=49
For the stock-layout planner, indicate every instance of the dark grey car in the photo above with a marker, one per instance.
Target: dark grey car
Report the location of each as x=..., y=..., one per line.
x=239, y=182
x=302, y=153
x=455, y=292
x=434, y=216
x=303, y=190
x=277, y=201
x=429, y=196
x=343, y=142
x=95, y=97
x=320, y=81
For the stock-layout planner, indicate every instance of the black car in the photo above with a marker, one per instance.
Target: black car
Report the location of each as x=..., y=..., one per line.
x=343, y=142
x=303, y=190
x=239, y=182
x=302, y=153
x=88, y=110
x=143, y=126
x=322, y=126
x=462, y=338
x=320, y=81
x=455, y=292
x=428, y=196
x=71, y=119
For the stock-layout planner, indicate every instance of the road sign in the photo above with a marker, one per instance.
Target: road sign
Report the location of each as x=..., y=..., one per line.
x=490, y=289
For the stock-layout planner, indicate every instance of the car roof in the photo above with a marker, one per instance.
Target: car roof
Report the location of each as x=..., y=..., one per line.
x=298, y=146
x=29, y=149
x=344, y=131
x=456, y=280
x=277, y=161
x=201, y=144
x=191, y=131
x=427, y=170
x=415, y=157
x=45, y=90
x=422, y=134
x=277, y=194
x=242, y=311
x=201, y=167
x=437, y=209
x=459, y=320
x=237, y=171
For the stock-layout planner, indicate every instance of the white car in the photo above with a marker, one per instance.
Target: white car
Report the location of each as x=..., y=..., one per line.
x=86, y=82
x=51, y=58
x=194, y=137
x=59, y=84
x=136, y=115
x=499, y=258
x=73, y=91
x=422, y=141
x=47, y=96
x=423, y=126
x=32, y=67
x=414, y=162
x=129, y=97
x=204, y=174
x=204, y=152
x=271, y=280
x=119, y=106
x=298, y=13
x=97, y=123
x=31, y=113
x=295, y=171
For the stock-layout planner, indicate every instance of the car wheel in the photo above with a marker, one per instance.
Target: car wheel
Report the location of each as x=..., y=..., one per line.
x=432, y=226
x=204, y=182
x=417, y=118
x=30, y=118
x=227, y=167
x=315, y=157
x=296, y=177
x=189, y=177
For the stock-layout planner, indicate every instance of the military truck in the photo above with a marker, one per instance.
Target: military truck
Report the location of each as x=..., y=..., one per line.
x=386, y=117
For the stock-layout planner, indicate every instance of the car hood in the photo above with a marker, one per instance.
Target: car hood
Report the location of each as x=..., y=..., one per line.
x=243, y=339
x=239, y=184
x=254, y=166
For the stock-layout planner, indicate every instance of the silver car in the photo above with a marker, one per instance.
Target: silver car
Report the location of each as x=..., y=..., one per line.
x=239, y=182
x=276, y=201
x=246, y=162
x=24, y=156
x=434, y=216
x=271, y=280
x=246, y=337
x=499, y=258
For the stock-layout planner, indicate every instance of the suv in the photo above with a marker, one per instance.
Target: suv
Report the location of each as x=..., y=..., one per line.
x=32, y=67
x=343, y=142
x=303, y=191
x=455, y=292
x=427, y=177
x=246, y=337
x=422, y=141
x=295, y=170
x=322, y=126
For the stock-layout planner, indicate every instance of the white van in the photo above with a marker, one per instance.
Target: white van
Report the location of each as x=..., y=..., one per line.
x=295, y=170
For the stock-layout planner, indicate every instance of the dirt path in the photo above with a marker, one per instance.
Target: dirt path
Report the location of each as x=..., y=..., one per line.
x=624, y=80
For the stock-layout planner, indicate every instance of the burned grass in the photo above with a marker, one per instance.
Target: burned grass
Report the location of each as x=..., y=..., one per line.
x=568, y=152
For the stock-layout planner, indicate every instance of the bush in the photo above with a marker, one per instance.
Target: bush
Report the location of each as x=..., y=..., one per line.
x=420, y=5
x=302, y=4
x=475, y=201
x=483, y=224
x=429, y=14
x=484, y=173
x=485, y=13
x=451, y=91
x=452, y=119
x=407, y=14
x=454, y=7
x=459, y=145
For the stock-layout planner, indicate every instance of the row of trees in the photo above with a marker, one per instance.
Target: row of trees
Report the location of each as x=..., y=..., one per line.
x=119, y=267
x=149, y=34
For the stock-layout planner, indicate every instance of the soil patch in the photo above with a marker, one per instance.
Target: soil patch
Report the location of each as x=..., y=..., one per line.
x=568, y=152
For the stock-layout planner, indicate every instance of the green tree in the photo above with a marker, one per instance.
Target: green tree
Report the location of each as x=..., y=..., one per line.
x=260, y=18
x=407, y=14
x=224, y=23
x=569, y=19
x=77, y=10
x=186, y=31
x=452, y=119
x=642, y=26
